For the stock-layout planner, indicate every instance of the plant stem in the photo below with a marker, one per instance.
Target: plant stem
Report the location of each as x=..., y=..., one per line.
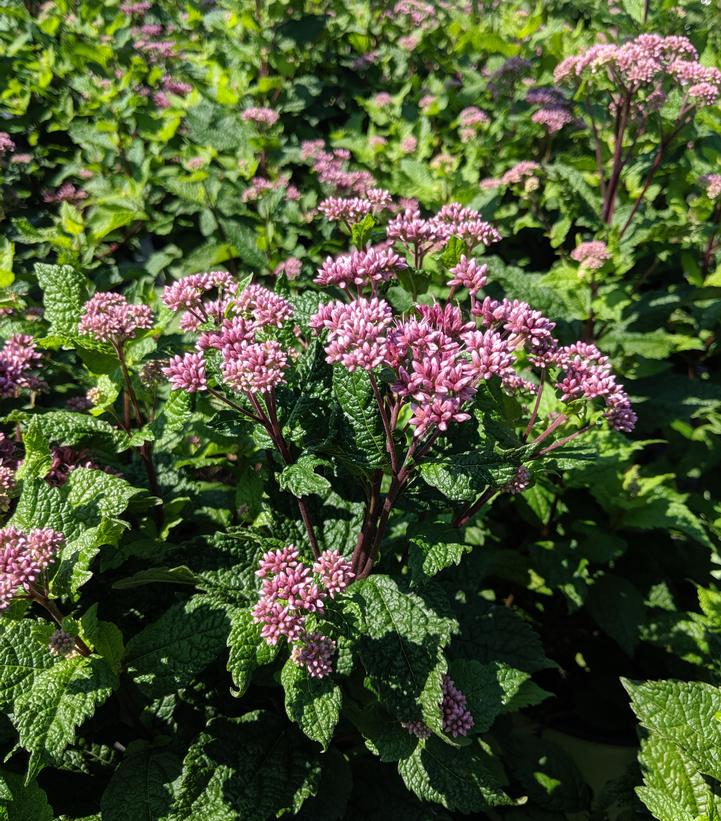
x=390, y=446
x=536, y=404
x=557, y=422
x=466, y=515
x=621, y=120
x=564, y=441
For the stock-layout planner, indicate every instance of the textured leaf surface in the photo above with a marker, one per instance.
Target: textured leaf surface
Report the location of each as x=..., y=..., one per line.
x=170, y=652
x=250, y=767
x=684, y=713
x=461, y=779
x=489, y=689
x=23, y=656
x=248, y=650
x=313, y=703
x=401, y=645
x=141, y=786
x=61, y=698
x=26, y=802
x=302, y=480
x=64, y=292
x=365, y=437
x=464, y=476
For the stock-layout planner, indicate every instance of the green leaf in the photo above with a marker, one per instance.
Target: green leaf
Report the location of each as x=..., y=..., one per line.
x=489, y=688
x=434, y=547
x=27, y=802
x=302, y=480
x=248, y=650
x=673, y=788
x=103, y=637
x=364, y=438
x=166, y=655
x=401, y=645
x=250, y=767
x=7, y=254
x=361, y=231
x=23, y=656
x=61, y=698
x=618, y=608
x=142, y=785
x=65, y=290
x=684, y=713
x=464, y=476
x=313, y=703
x=460, y=779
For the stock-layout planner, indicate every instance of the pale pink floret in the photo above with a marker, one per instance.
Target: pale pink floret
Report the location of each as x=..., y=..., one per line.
x=457, y=718
x=260, y=115
x=109, y=317
x=264, y=306
x=470, y=274
x=591, y=255
x=254, y=367
x=356, y=332
x=360, y=268
x=334, y=570
x=187, y=372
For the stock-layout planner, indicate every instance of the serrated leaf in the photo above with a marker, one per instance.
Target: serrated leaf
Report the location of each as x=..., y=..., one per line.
x=365, y=437
x=65, y=290
x=61, y=698
x=685, y=713
x=434, y=547
x=674, y=789
x=248, y=650
x=142, y=785
x=459, y=779
x=250, y=767
x=313, y=703
x=400, y=643
x=464, y=476
x=489, y=688
x=23, y=657
x=302, y=480
x=27, y=802
x=166, y=655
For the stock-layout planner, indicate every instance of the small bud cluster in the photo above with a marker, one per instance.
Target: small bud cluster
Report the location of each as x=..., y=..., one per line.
x=109, y=317
x=290, y=591
x=712, y=183
x=64, y=461
x=61, y=644
x=6, y=143
x=8, y=468
x=470, y=120
x=23, y=557
x=234, y=323
x=352, y=209
x=66, y=193
x=523, y=172
x=457, y=718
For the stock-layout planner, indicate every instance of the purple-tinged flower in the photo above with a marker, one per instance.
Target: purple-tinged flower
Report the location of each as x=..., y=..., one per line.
x=109, y=317
x=278, y=620
x=7, y=486
x=520, y=482
x=277, y=561
x=66, y=193
x=315, y=652
x=417, y=728
x=61, y=644
x=79, y=404
x=470, y=274
x=254, y=367
x=291, y=267
x=6, y=142
x=490, y=354
x=713, y=185
x=136, y=8
x=382, y=99
x=187, y=372
x=360, y=268
x=17, y=357
x=591, y=255
x=173, y=86
x=264, y=306
x=457, y=719
x=334, y=570
x=262, y=116
x=552, y=118
x=409, y=144
x=64, y=461
x=473, y=117
x=23, y=557
x=356, y=332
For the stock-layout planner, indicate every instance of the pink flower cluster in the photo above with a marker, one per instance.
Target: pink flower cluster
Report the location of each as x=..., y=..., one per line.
x=173, y=86
x=6, y=142
x=587, y=375
x=592, y=255
x=712, y=182
x=231, y=323
x=66, y=193
x=331, y=171
x=457, y=718
x=109, y=317
x=352, y=209
x=136, y=8
x=8, y=468
x=64, y=461
x=364, y=268
x=23, y=557
x=17, y=357
x=422, y=234
x=552, y=118
x=520, y=172
x=470, y=120
x=261, y=116
x=291, y=590
x=647, y=59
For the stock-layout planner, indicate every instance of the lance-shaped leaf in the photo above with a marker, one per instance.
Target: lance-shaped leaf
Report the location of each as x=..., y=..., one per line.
x=313, y=703
x=464, y=476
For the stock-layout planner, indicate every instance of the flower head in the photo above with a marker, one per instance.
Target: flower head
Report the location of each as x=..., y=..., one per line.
x=109, y=317
x=187, y=372
x=23, y=556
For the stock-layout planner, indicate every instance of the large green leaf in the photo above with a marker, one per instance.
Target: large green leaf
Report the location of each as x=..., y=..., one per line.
x=464, y=476
x=248, y=650
x=313, y=703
